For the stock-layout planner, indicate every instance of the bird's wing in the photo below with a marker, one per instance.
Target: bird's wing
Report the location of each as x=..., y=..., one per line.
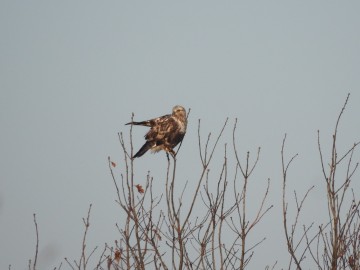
x=163, y=127
x=149, y=123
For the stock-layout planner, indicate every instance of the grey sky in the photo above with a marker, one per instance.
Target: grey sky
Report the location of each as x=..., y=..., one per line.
x=72, y=72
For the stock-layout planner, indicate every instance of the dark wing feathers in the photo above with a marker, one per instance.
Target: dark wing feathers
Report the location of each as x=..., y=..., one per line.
x=143, y=123
x=175, y=137
x=165, y=131
x=149, y=123
x=160, y=127
x=143, y=149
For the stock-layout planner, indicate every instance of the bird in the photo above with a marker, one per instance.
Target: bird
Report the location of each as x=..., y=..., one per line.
x=165, y=133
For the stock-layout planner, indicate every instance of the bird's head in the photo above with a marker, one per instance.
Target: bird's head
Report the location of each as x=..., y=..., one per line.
x=179, y=111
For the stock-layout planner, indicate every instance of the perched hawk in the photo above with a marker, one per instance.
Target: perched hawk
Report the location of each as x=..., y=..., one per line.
x=165, y=131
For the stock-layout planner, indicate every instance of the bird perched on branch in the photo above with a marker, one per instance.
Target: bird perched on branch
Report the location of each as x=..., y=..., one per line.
x=165, y=132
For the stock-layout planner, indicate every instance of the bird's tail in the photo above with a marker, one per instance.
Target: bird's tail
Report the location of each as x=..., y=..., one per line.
x=143, y=150
x=142, y=123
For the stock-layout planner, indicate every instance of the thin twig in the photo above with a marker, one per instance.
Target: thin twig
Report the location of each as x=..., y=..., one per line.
x=37, y=242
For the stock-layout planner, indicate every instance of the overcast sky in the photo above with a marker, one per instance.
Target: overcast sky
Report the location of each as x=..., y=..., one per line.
x=73, y=72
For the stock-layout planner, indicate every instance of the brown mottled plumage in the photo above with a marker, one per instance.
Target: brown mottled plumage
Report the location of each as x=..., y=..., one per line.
x=165, y=132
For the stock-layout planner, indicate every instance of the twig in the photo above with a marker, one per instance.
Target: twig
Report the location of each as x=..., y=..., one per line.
x=83, y=259
x=37, y=242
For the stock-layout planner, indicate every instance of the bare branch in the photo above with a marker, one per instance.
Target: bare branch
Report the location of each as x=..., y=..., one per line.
x=37, y=242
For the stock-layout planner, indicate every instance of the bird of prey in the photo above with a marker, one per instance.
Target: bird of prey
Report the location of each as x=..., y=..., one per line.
x=165, y=132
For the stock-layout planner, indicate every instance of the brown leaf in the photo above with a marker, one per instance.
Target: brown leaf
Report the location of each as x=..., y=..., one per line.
x=117, y=256
x=139, y=188
x=113, y=164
